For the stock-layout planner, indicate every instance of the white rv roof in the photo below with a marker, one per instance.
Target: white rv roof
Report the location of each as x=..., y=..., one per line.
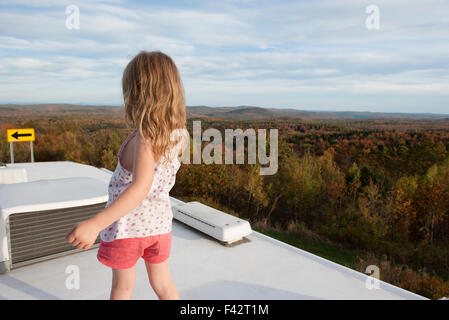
x=202, y=268
x=60, y=169
x=54, y=184
x=51, y=194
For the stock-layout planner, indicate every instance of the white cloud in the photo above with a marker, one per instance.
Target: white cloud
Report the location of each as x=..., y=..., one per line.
x=237, y=51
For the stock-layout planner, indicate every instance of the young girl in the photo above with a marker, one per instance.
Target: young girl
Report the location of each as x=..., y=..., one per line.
x=137, y=219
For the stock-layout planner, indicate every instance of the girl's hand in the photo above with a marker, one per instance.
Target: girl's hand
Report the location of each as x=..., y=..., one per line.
x=83, y=234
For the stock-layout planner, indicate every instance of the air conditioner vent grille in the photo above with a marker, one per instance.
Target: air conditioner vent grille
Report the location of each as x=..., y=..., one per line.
x=38, y=234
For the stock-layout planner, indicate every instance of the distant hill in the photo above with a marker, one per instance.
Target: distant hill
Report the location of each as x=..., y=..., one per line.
x=258, y=113
x=219, y=113
x=8, y=111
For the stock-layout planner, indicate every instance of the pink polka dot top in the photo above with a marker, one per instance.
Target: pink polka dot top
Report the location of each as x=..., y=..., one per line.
x=154, y=214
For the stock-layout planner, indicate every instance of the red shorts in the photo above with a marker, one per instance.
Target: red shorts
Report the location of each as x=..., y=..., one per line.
x=124, y=253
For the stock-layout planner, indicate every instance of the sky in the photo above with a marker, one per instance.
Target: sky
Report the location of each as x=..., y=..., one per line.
x=308, y=55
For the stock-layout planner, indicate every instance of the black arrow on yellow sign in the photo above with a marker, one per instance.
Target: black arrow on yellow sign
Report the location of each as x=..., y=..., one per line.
x=16, y=135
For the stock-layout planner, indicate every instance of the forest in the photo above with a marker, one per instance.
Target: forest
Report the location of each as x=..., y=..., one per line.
x=358, y=192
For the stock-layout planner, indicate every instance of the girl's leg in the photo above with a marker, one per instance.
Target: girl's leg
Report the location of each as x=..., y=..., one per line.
x=161, y=281
x=123, y=281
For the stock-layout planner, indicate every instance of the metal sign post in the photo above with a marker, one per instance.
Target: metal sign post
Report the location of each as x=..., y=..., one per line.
x=32, y=151
x=19, y=135
x=11, y=151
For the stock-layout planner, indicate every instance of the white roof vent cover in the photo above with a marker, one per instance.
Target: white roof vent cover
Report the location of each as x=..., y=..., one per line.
x=9, y=175
x=217, y=224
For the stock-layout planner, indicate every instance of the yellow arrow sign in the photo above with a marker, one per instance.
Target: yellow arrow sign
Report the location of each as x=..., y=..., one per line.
x=19, y=135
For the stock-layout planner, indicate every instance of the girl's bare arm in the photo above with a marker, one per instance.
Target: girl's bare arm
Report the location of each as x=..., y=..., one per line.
x=83, y=235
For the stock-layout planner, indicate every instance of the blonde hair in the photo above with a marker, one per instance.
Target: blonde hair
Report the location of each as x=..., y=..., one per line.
x=154, y=99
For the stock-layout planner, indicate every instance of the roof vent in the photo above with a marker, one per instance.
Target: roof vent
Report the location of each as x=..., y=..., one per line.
x=219, y=225
x=9, y=175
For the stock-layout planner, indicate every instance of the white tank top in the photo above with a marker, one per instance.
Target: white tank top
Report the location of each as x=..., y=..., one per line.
x=154, y=214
